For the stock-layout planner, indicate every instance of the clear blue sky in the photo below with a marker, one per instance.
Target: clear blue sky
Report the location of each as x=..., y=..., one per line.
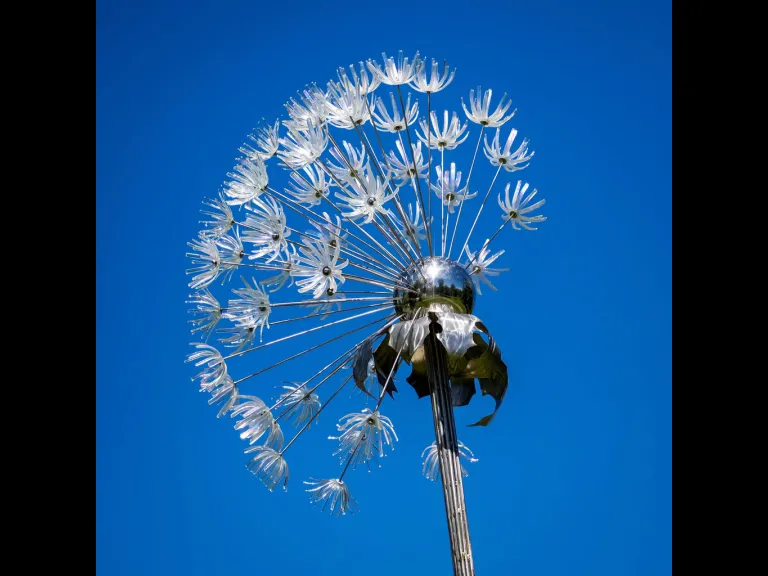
x=574, y=476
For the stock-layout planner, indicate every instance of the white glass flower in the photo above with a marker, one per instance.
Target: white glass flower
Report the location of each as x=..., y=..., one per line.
x=231, y=252
x=240, y=336
x=267, y=141
x=329, y=231
x=252, y=309
x=206, y=311
x=221, y=219
x=335, y=303
x=266, y=228
x=395, y=122
x=350, y=163
x=394, y=72
x=504, y=157
x=303, y=144
x=436, y=81
x=319, y=267
x=480, y=112
x=268, y=466
x=347, y=108
x=313, y=108
x=301, y=404
x=403, y=168
x=365, y=197
x=256, y=420
x=310, y=187
x=446, y=139
x=353, y=81
x=288, y=260
x=249, y=180
x=479, y=268
x=448, y=187
x=205, y=260
x=414, y=226
x=214, y=370
x=431, y=465
x=518, y=210
x=363, y=436
x=224, y=390
x=333, y=493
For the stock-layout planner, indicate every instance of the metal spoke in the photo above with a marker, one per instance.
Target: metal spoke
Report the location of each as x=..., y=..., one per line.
x=391, y=319
x=480, y=211
x=302, y=333
x=461, y=204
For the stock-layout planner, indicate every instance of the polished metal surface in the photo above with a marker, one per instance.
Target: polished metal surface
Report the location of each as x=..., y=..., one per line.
x=441, y=281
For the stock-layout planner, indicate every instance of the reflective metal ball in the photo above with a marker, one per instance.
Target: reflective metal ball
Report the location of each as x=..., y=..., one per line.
x=437, y=281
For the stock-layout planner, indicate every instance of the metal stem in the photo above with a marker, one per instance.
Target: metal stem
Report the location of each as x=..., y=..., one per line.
x=448, y=452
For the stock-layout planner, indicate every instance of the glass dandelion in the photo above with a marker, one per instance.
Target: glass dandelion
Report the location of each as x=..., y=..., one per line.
x=330, y=211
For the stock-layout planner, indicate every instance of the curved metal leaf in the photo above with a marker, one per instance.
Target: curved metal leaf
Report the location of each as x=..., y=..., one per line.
x=360, y=364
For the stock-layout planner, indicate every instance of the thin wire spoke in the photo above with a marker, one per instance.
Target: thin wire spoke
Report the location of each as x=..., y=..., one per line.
x=419, y=197
x=429, y=151
x=442, y=196
x=480, y=211
x=392, y=228
x=392, y=319
x=469, y=178
x=315, y=415
x=395, y=191
x=488, y=243
x=313, y=302
x=314, y=315
x=341, y=360
x=321, y=223
x=375, y=283
x=349, y=460
x=327, y=170
x=346, y=250
x=302, y=333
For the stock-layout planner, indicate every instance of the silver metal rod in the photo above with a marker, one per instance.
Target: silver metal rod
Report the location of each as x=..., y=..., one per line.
x=477, y=216
x=448, y=452
x=390, y=256
x=429, y=162
x=376, y=283
x=442, y=194
x=392, y=228
x=313, y=302
x=391, y=319
x=315, y=315
x=315, y=415
x=469, y=178
x=398, y=200
x=302, y=333
x=419, y=197
x=279, y=196
x=345, y=249
x=488, y=243
x=396, y=191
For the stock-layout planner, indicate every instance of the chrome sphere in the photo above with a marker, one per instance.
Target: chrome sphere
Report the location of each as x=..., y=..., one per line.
x=437, y=281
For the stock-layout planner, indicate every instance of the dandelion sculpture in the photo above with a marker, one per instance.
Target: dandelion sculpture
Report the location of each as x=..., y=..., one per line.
x=354, y=231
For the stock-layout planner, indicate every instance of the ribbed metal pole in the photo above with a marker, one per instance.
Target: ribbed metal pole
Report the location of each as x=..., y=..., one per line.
x=448, y=452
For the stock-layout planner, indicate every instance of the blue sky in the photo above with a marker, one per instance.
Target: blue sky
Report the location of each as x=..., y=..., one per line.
x=574, y=474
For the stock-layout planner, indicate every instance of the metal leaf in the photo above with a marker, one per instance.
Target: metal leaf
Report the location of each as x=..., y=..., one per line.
x=384, y=360
x=360, y=364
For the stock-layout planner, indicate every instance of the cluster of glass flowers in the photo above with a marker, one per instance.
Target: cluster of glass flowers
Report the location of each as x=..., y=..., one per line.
x=365, y=174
